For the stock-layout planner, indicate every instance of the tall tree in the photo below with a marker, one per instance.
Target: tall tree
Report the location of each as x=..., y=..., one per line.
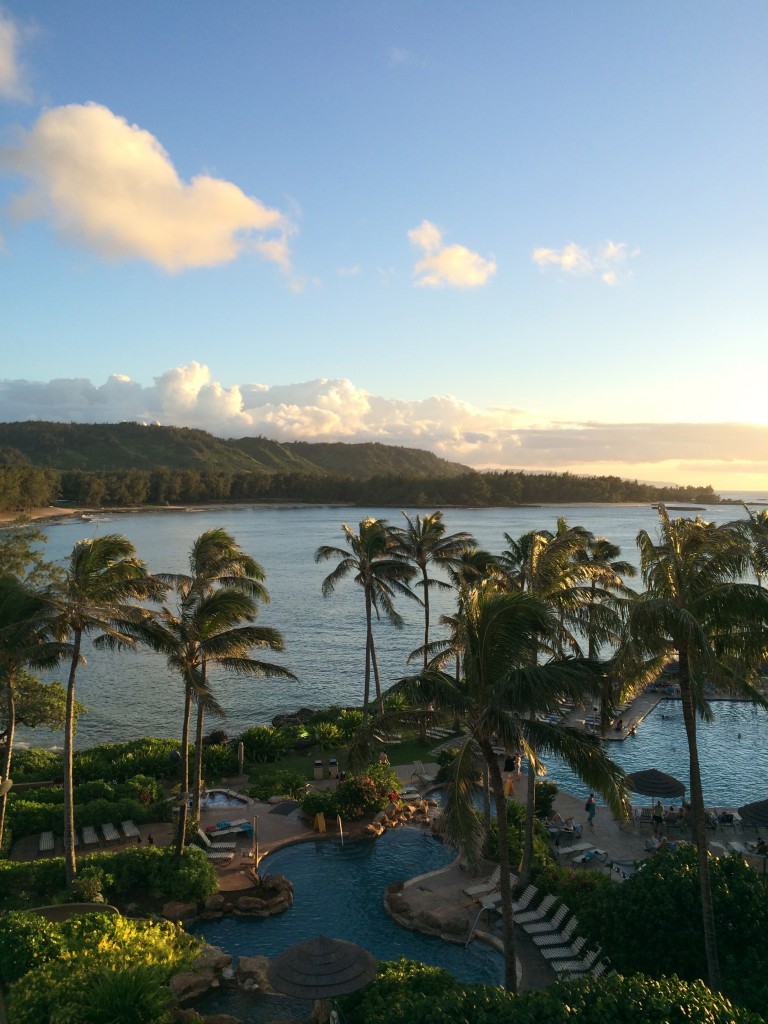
x=499, y=633
x=424, y=542
x=103, y=584
x=215, y=560
x=376, y=565
x=697, y=609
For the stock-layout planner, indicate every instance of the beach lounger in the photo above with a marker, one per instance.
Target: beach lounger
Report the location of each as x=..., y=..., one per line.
x=540, y=913
x=219, y=856
x=551, y=925
x=46, y=843
x=568, y=851
x=483, y=888
x=548, y=926
x=589, y=855
x=565, y=952
x=228, y=844
x=90, y=838
x=527, y=897
x=421, y=773
x=110, y=833
x=130, y=831
x=561, y=938
x=576, y=966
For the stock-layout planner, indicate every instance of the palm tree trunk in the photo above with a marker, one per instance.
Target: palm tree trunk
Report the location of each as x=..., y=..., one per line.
x=505, y=881
x=10, y=702
x=368, y=645
x=699, y=825
x=70, y=862
x=425, y=579
x=376, y=677
x=185, y=740
x=198, y=780
x=486, y=800
x=530, y=808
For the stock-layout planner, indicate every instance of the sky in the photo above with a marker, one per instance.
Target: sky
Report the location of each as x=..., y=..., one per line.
x=521, y=235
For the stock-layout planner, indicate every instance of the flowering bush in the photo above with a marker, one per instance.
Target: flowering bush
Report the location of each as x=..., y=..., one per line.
x=368, y=791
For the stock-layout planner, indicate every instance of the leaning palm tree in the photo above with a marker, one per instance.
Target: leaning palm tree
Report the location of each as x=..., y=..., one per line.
x=213, y=628
x=215, y=560
x=382, y=572
x=499, y=634
x=696, y=608
x=26, y=641
x=424, y=542
x=100, y=592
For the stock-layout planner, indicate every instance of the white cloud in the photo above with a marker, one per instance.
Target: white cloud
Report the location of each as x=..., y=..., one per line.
x=111, y=186
x=339, y=410
x=12, y=86
x=609, y=260
x=453, y=266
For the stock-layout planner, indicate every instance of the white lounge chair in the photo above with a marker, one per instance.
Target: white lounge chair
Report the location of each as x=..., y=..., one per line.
x=540, y=913
x=551, y=925
x=568, y=851
x=564, y=952
x=130, y=831
x=220, y=856
x=90, y=837
x=228, y=844
x=421, y=773
x=47, y=842
x=483, y=888
x=110, y=833
x=571, y=966
x=561, y=938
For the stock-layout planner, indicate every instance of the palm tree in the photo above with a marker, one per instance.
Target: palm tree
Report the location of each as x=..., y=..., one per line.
x=215, y=560
x=499, y=636
x=604, y=603
x=213, y=627
x=381, y=570
x=697, y=609
x=102, y=585
x=424, y=542
x=26, y=640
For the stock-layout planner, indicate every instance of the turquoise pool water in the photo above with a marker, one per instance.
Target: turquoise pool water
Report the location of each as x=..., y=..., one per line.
x=733, y=752
x=339, y=892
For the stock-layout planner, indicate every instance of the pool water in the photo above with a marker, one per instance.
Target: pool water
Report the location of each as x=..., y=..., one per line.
x=339, y=893
x=733, y=752
x=219, y=798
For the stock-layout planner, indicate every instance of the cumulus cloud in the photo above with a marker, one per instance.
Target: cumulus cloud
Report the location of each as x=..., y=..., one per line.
x=452, y=266
x=338, y=410
x=110, y=185
x=608, y=261
x=12, y=86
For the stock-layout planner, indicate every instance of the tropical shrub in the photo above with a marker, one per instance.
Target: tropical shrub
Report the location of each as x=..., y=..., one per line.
x=36, y=765
x=118, y=762
x=26, y=817
x=407, y=992
x=326, y=735
x=93, y=947
x=219, y=760
x=281, y=782
x=320, y=801
x=26, y=940
x=367, y=792
x=516, y=838
x=263, y=743
x=350, y=720
x=546, y=792
x=445, y=759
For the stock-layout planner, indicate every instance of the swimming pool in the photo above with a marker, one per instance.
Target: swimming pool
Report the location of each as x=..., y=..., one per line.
x=732, y=752
x=339, y=892
x=221, y=798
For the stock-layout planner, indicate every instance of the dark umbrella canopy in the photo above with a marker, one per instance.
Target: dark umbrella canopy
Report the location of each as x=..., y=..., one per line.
x=321, y=968
x=652, y=782
x=755, y=814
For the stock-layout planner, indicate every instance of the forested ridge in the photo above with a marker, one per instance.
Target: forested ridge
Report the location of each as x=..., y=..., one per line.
x=129, y=464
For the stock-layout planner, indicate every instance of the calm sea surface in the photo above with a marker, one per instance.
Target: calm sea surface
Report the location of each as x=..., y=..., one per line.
x=131, y=695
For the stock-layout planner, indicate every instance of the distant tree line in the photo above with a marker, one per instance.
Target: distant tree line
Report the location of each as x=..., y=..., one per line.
x=23, y=487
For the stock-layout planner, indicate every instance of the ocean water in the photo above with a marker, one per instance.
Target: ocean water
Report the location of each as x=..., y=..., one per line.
x=132, y=694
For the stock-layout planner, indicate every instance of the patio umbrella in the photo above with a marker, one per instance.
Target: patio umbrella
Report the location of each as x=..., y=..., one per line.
x=321, y=969
x=652, y=782
x=755, y=814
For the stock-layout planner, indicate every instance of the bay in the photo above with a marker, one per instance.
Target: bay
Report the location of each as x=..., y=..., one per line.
x=129, y=695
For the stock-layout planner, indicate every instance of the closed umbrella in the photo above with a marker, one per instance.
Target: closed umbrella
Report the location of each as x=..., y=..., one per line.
x=652, y=782
x=755, y=814
x=322, y=969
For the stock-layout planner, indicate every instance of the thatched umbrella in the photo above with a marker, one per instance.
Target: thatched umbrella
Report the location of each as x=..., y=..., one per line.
x=321, y=969
x=654, y=783
x=755, y=814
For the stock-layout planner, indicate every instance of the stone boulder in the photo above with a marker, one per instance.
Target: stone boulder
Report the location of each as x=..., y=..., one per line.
x=252, y=974
x=175, y=910
x=190, y=985
x=211, y=958
x=300, y=717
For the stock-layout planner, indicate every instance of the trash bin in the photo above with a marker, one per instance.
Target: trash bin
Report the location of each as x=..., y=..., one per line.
x=318, y=770
x=333, y=768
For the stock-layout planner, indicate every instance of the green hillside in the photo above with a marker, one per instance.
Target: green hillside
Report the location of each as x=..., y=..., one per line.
x=116, y=447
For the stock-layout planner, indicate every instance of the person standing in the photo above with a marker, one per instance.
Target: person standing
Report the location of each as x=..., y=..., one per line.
x=658, y=818
x=591, y=807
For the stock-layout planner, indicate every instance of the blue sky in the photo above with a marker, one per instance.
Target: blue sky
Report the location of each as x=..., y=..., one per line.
x=524, y=235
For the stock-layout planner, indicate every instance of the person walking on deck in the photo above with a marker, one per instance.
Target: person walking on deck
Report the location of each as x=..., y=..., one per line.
x=591, y=807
